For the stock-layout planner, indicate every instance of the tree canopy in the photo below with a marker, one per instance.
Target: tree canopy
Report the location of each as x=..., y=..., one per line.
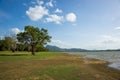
x=33, y=36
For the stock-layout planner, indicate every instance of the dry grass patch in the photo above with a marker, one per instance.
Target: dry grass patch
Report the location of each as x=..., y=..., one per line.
x=91, y=61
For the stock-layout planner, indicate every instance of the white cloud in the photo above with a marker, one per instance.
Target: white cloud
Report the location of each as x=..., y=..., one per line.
x=15, y=30
x=41, y=10
x=55, y=18
x=71, y=17
x=107, y=39
x=106, y=42
x=36, y=13
x=40, y=2
x=58, y=11
x=50, y=3
x=60, y=44
x=117, y=28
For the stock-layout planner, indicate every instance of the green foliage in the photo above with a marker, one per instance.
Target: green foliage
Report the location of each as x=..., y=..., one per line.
x=32, y=36
x=32, y=39
x=8, y=43
x=20, y=47
x=2, y=45
x=40, y=48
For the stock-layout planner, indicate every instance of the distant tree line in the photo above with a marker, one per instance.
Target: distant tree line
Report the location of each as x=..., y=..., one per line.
x=32, y=39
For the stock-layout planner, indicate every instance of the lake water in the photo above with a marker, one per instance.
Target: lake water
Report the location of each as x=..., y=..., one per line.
x=112, y=56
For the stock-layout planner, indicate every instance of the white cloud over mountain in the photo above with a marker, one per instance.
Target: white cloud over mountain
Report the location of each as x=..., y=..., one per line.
x=106, y=42
x=60, y=43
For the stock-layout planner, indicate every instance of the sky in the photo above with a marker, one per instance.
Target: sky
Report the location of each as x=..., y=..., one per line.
x=86, y=24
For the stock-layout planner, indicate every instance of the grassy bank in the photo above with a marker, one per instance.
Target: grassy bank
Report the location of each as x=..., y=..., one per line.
x=53, y=66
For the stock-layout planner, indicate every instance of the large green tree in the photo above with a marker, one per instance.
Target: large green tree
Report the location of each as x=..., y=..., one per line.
x=34, y=36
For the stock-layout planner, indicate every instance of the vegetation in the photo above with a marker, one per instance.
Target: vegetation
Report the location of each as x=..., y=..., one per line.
x=52, y=66
x=33, y=36
x=32, y=39
x=8, y=43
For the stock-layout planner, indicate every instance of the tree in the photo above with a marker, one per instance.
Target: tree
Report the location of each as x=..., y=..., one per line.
x=40, y=48
x=10, y=43
x=2, y=45
x=33, y=36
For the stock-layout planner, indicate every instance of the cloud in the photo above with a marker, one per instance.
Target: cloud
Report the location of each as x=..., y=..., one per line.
x=50, y=3
x=15, y=30
x=106, y=42
x=107, y=39
x=71, y=17
x=58, y=11
x=40, y=2
x=41, y=10
x=55, y=18
x=37, y=12
x=117, y=28
x=60, y=44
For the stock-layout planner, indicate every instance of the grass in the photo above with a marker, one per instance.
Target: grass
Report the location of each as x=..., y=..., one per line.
x=6, y=55
x=52, y=66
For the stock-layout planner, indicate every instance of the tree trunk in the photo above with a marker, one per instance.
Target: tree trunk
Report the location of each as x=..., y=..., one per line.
x=33, y=53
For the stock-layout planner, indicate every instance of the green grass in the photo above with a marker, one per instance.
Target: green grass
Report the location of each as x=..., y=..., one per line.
x=6, y=55
x=64, y=72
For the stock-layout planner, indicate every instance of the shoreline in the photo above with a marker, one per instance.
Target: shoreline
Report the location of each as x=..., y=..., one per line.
x=109, y=64
x=103, y=66
x=113, y=59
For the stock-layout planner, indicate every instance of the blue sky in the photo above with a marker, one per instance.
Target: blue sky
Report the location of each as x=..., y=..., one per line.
x=88, y=24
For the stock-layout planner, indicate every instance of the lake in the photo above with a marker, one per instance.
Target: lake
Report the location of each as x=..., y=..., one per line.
x=111, y=56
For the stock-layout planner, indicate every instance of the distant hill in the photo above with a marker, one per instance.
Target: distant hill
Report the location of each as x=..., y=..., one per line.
x=58, y=49
x=55, y=49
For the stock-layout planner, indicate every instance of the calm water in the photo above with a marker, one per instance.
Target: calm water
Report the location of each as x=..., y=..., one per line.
x=113, y=57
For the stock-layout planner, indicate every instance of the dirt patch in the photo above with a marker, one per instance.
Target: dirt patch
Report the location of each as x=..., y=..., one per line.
x=86, y=61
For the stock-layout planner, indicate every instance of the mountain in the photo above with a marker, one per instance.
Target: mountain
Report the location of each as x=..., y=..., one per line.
x=55, y=49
